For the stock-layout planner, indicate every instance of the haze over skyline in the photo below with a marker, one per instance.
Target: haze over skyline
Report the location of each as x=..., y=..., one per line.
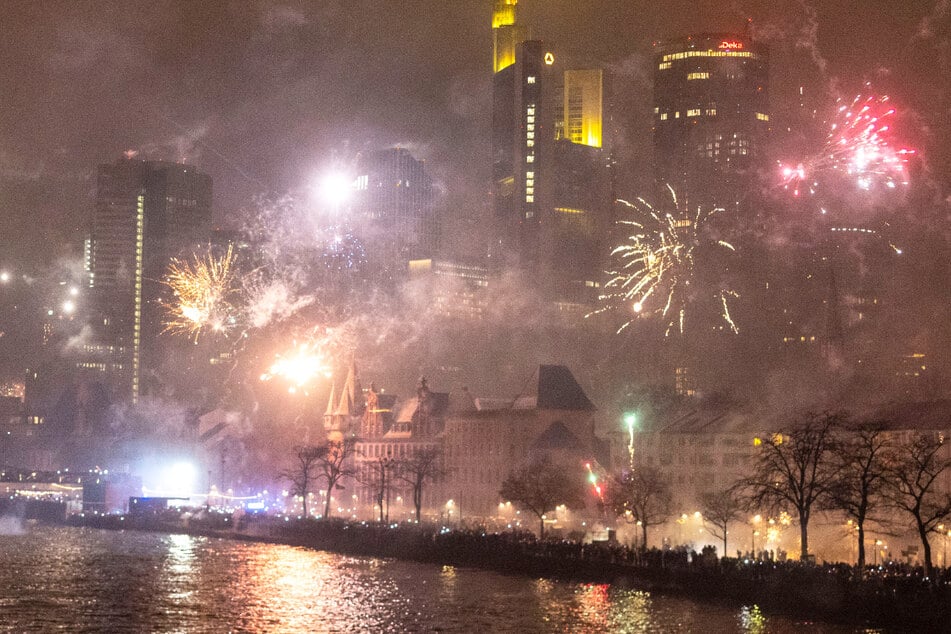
x=264, y=96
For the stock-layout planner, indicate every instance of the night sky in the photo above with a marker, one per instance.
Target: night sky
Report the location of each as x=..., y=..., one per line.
x=266, y=95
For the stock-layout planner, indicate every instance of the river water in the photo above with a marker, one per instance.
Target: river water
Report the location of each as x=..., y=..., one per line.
x=72, y=579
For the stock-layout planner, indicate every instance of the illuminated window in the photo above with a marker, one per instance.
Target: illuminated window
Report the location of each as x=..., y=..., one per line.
x=529, y=174
x=529, y=198
x=529, y=143
x=693, y=112
x=529, y=190
x=530, y=135
x=529, y=214
x=762, y=117
x=711, y=112
x=530, y=158
x=530, y=127
x=531, y=119
x=530, y=110
x=663, y=116
x=693, y=76
x=664, y=66
x=677, y=115
x=689, y=54
x=529, y=182
x=530, y=79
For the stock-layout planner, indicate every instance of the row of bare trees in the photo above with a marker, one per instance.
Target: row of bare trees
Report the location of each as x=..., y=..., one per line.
x=325, y=466
x=864, y=470
x=824, y=462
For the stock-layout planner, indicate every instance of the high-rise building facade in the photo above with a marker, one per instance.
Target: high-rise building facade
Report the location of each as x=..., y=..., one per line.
x=711, y=116
x=393, y=213
x=549, y=177
x=146, y=213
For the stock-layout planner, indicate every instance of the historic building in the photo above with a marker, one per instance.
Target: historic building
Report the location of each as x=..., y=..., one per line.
x=477, y=441
x=486, y=440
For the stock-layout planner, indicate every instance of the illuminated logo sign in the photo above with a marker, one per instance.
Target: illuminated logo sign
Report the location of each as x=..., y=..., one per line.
x=549, y=58
x=730, y=45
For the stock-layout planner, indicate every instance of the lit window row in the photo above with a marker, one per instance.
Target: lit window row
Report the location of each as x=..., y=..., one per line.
x=803, y=339
x=530, y=79
x=693, y=76
x=530, y=155
x=693, y=112
x=762, y=117
x=688, y=54
x=853, y=229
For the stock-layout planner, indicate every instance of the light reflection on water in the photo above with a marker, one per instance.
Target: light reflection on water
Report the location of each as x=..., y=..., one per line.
x=88, y=580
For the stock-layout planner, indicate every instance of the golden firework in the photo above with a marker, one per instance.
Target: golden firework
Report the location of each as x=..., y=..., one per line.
x=657, y=266
x=202, y=289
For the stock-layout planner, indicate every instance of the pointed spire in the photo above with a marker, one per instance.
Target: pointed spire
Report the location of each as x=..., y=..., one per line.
x=351, y=396
x=330, y=401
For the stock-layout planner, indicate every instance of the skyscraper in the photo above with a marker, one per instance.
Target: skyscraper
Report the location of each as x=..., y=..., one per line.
x=711, y=116
x=393, y=213
x=549, y=181
x=146, y=213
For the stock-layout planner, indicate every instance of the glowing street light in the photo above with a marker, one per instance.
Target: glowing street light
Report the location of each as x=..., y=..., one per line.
x=4, y=277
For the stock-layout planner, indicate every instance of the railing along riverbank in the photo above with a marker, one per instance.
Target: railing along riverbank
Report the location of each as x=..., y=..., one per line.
x=895, y=597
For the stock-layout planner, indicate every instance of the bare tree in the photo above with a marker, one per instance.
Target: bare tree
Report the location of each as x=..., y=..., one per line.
x=422, y=468
x=719, y=509
x=793, y=469
x=860, y=468
x=333, y=464
x=379, y=474
x=641, y=496
x=913, y=479
x=540, y=486
x=304, y=473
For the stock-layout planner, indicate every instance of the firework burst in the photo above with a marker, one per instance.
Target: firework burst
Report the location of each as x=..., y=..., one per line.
x=858, y=145
x=657, y=266
x=202, y=289
x=300, y=367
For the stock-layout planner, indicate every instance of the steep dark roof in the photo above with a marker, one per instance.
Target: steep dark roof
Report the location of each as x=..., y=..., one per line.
x=553, y=387
x=557, y=436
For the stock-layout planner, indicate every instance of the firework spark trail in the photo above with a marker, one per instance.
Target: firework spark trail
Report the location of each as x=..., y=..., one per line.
x=659, y=260
x=203, y=289
x=858, y=145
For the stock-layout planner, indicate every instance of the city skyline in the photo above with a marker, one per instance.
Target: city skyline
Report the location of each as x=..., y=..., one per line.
x=276, y=94
x=274, y=217
x=426, y=279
